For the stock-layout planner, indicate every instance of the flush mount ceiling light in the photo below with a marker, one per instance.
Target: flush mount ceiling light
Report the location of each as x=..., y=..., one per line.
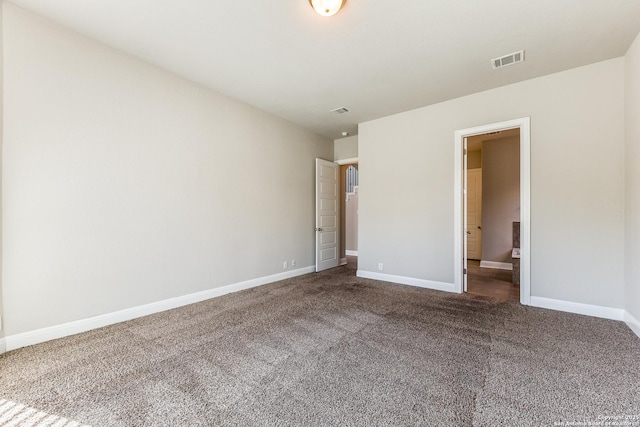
x=326, y=7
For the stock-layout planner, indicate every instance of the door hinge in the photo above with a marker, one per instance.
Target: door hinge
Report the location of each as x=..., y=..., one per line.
x=465, y=151
x=465, y=271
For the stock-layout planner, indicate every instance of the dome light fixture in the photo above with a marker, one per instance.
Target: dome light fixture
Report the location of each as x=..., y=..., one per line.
x=326, y=7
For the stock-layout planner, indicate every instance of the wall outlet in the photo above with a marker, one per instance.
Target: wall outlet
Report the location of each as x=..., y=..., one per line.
x=380, y=267
x=293, y=263
x=284, y=265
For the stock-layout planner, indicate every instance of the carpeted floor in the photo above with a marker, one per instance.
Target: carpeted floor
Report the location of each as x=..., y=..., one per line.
x=333, y=349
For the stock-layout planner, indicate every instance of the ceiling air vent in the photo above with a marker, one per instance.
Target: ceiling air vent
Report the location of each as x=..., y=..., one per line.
x=340, y=110
x=512, y=58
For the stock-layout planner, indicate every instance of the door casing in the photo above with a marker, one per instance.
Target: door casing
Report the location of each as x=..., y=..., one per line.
x=524, y=124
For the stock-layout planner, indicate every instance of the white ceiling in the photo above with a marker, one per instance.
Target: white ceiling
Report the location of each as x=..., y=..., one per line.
x=374, y=57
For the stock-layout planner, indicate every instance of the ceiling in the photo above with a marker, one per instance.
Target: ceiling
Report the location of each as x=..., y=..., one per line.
x=374, y=57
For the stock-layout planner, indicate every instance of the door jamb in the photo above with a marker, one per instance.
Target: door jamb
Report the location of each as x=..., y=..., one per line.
x=343, y=228
x=524, y=124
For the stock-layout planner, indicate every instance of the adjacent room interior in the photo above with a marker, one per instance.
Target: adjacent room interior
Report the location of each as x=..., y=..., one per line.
x=493, y=215
x=161, y=237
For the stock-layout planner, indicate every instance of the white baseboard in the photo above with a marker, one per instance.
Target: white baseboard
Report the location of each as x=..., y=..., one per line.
x=351, y=253
x=3, y=345
x=421, y=283
x=632, y=323
x=37, y=336
x=578, y=308
x=496, y=265
x=343, y=261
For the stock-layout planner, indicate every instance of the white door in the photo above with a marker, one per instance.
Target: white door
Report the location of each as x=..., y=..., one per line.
x=327, y=211
x=474, y=214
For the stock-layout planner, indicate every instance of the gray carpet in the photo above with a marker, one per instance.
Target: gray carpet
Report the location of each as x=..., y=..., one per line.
x=333, y=349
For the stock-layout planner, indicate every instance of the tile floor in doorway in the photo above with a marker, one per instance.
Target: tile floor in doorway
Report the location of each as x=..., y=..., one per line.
x=490, y=282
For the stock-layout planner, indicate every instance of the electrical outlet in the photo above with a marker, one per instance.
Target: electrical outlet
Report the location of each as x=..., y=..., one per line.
x=380, y=266
x=293, y=263
x=284, y=265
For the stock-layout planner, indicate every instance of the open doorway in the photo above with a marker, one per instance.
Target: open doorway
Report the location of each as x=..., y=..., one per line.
x=349, y=215
x=461, y=260
x=492, y=204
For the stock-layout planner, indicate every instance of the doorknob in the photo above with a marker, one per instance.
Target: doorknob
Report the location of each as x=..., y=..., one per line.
x=468, y=232
x=319, y=229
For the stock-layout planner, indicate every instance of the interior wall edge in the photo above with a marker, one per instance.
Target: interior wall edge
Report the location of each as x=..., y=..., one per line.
x=632, y=180
x=2, y=328
x=632, y=323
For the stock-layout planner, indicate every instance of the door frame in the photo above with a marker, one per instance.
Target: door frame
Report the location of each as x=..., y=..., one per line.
x=524, y=124
x=344, y=164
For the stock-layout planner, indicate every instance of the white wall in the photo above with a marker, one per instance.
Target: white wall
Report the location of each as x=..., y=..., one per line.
x=632, y=158
x=125, y=184
x=2, y=329
x=577, y=183
x=345, y=148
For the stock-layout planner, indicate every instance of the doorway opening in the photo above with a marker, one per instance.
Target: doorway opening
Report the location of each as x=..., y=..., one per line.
x=492, y=208
x=493, y=265
x=349, y=215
